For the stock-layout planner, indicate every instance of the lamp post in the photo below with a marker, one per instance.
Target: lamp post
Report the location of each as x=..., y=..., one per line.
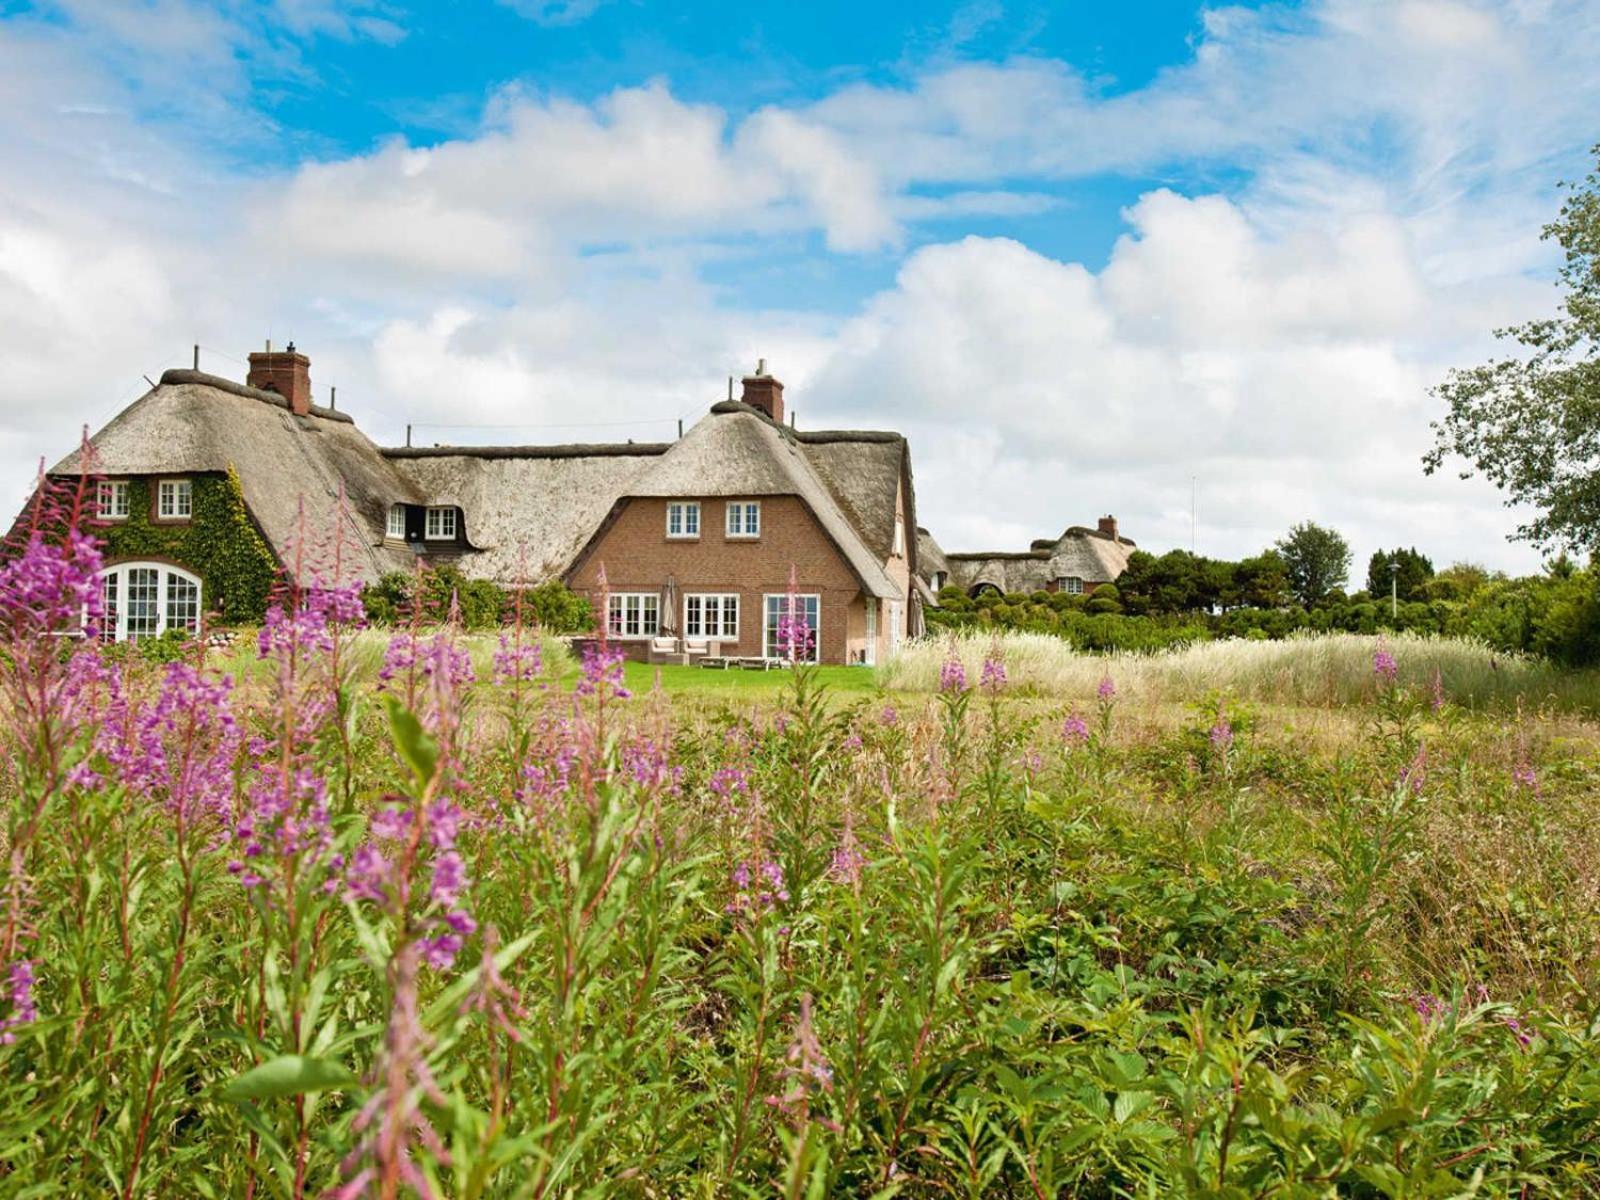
x=1394, y=588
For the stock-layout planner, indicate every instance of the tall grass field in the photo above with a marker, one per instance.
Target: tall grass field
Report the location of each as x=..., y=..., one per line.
x=335, y=913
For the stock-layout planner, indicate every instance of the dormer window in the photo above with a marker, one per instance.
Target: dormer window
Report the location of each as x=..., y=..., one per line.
x=174, y=500
x=440, y=525
x=113, y=499
x=744, y=518
x=683, y=519
x=1072, y=585
x=396, y=527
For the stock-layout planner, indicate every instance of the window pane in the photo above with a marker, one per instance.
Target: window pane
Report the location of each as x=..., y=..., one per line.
x=183, y=603
x=108, y=626
x=144, y=602
x=691, y=520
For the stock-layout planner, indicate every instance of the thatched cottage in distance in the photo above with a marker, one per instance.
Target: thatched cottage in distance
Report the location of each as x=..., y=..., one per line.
x=1077, y=562
x=203, y=483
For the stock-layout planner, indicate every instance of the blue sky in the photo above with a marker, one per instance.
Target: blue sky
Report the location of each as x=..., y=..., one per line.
x=1088, y=256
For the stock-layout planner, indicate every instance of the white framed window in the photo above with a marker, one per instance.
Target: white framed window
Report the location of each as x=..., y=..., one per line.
x=711, y=615
x=633, y=614
x=145, y=599
x=899, y=537
x=175, y=499
x=441, y=525
x=1072, y=585
x=683, y=519
x=112, y=495
x=809, y=609
x=397, y=522
x=937, y=580
x=744, y=518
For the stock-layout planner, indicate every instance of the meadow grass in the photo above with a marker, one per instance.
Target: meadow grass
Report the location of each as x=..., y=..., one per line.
x=1284, y=925
x=1311, y=669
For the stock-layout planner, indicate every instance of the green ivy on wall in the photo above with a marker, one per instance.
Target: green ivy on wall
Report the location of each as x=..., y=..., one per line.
x=219, y=543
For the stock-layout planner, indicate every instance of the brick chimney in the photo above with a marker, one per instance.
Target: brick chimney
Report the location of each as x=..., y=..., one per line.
x=1108, y=526
x=764, y=392
x=286, y=372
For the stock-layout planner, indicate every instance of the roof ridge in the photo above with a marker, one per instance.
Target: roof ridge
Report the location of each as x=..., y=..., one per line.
x=563, y=450
x=175, y=376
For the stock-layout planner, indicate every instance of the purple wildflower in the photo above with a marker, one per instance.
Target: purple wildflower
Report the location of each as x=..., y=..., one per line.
x=1221, y=734
x=1384, y=667
x=1107, y=691
x=19, y=991
x=1074, y=730
x=993, y=677
x=952, y=676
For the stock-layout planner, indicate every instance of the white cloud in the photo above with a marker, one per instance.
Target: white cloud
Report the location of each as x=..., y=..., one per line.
x=552, y=264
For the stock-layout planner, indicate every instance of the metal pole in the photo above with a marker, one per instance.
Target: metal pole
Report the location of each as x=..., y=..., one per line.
x=1394, y=589
x=197, y=356
x=408, y=437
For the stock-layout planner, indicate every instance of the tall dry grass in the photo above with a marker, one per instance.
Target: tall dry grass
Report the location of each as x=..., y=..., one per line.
x=1314, y=669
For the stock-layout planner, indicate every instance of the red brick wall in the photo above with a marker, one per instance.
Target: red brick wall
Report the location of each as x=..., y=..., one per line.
x=638, y=557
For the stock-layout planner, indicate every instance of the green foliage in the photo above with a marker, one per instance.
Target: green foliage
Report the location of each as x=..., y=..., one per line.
x=557, y=609
x=483, y=604
x=1527, y=421
x=219, y=542
x=1404, y=571
x=1001, y=962
x=1316, y=561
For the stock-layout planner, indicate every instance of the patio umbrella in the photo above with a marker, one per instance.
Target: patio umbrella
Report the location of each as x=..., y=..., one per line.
x=669, y=606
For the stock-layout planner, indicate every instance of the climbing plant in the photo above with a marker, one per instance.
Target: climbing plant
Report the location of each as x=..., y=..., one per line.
x=219, y=543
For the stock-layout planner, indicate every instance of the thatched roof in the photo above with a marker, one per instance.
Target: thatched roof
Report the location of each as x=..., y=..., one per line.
x=931, y=555
x=192, y=423
x=527, y=510
x=1080, y=552
x=738, y=450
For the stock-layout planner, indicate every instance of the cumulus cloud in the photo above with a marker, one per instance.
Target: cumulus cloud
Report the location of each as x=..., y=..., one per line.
x=561, y=265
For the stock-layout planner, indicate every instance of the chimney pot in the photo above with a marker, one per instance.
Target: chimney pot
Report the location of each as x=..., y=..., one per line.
x=764, y=392
x=287, y=372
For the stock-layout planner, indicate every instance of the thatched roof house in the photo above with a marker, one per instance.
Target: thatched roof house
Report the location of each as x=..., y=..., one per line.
x=1078, y=561
x=714, y=522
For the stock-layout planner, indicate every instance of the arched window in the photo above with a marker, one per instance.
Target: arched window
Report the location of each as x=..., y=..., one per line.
x=145, y=599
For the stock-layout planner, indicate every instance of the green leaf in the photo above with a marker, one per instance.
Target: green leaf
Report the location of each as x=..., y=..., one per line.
x=288, y=1075
x=419, y=750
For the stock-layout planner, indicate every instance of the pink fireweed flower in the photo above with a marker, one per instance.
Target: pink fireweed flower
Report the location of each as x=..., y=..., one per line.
x=1438, y=690
x=517, y=662
x=758, y=890
x=889, y=717
x=377, y=874
x=181, y=748
x=1074, y=730
x=1384, y=667
x=1428, y=1006
x=646, y=763
x=852, y=742
x=1221, y=734
x=52, y=586
x=848, y=861
x=19, y=994
x=436, y=672
x=993, y=677
x=285, y=827
x=1525, y=777
x=601, y=672
x=1107, y=691
x=952, y=676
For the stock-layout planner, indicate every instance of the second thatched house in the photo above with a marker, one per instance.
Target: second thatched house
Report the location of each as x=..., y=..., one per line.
x=1077, y=562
